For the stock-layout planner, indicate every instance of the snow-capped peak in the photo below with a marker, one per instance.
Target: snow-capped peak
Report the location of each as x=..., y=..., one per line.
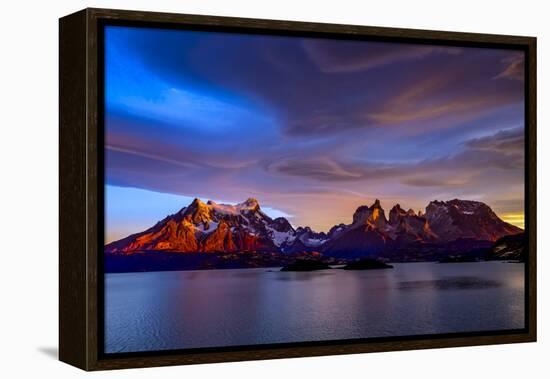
x=250, y=204
x=229, y=209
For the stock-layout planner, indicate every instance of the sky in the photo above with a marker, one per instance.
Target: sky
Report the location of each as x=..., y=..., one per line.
x=312, y=128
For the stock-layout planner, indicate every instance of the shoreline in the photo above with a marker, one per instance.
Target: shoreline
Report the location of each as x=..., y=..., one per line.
x=277, y=268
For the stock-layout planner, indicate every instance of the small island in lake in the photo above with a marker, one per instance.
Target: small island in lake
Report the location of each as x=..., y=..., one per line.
x=366, y=264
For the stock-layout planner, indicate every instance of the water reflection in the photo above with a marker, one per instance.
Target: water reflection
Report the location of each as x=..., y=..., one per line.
x=192, y=309
x=300, y=276
x=461, y=282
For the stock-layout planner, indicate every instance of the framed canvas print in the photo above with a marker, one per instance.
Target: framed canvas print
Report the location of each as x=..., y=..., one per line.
x=236, y=189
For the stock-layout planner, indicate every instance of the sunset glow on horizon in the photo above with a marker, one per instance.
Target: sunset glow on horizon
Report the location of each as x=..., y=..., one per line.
x=517, y=219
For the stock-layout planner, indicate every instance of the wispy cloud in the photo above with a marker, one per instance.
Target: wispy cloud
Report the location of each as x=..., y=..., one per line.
x=514, y=68
x=354, y=56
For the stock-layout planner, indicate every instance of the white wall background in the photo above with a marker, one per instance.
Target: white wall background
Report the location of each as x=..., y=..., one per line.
x=28, y=199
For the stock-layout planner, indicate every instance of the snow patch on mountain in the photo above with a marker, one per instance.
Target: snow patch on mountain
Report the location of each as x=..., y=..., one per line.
x=280, y=238
x=207, y=227
x=314, y=241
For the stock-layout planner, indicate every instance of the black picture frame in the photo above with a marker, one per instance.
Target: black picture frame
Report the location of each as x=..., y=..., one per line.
x=81, y=188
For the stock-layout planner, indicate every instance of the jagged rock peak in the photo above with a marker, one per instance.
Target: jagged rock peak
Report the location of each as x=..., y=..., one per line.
x=197, y=205
x=396, y=213
x=360, y=213
x=197, y=212
x=396, y=208
x=465, y=206
x=250, y=203
x=281, y=224
x=197, y=202
x=372, y=217
x=456, y=218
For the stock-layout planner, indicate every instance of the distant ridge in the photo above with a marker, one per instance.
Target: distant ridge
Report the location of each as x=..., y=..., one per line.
x=244, y=228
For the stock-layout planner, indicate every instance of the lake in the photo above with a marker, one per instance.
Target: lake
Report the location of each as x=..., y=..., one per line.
x=212, y=308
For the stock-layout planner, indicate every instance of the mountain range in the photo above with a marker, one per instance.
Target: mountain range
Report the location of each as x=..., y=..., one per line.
x=446, y=227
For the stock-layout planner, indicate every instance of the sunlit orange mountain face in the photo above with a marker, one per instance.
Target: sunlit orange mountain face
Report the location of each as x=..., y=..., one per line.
x=445, y=228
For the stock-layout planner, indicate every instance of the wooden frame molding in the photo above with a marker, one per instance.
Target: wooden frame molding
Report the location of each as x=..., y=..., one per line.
x=81, y=183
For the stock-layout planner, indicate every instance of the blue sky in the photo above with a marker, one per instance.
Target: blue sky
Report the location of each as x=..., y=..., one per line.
x=312, y=128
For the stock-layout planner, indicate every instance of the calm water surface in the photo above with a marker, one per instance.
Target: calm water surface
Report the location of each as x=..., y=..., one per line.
x=191, y=309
